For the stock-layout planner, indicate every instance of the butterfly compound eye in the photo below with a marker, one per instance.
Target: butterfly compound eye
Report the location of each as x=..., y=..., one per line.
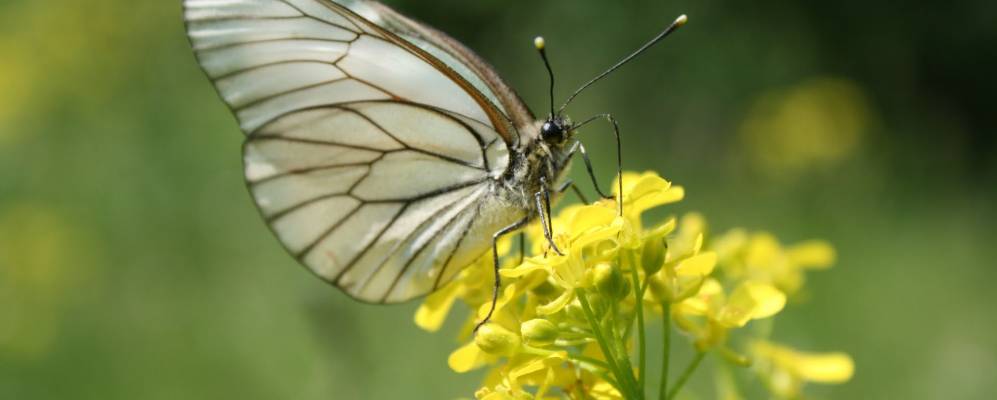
x=552, y=131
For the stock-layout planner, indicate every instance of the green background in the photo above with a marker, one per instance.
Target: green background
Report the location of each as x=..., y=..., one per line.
x=133, y=264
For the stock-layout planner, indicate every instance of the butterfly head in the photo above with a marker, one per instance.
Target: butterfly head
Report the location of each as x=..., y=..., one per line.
x=556, y=130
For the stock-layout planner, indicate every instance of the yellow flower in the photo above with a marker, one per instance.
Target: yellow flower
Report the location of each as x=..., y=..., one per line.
x=760, y=257
x=642, y=192
x=786, y=370
x=585, y=235
x=563, y=322
x=497, y=337
x=685, y=267
x=721, y=313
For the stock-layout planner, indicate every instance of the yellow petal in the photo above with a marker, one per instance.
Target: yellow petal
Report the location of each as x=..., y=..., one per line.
x=603, y=390
x=688, y=239
x=662, y=229
x=709, y=297
x=814, y=254
x=535, y=365
x=528, y=266
x=763, y=250
x=749, y=301
x=507, y=295
x=557, y=304
x=467, y=358
x=730, y=243
x=825, y=368
x=590, y=217
x=768, y=300
x=814, y=367
x=630, y=179
x=498, y=396
x=698, y=265
x=651, y=192
x=434, y=310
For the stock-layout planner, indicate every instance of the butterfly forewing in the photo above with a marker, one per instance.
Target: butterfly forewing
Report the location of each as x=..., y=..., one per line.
x=457, y=56
x=371, y=160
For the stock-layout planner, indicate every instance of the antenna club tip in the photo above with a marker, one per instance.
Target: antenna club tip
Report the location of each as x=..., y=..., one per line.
x=539, y=42
x=681, y=20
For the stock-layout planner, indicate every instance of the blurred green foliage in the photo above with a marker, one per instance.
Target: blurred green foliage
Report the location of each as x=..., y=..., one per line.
x=133, y=264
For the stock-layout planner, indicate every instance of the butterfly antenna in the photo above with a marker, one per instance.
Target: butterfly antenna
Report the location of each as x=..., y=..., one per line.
x=541, y=46
x=681, y=20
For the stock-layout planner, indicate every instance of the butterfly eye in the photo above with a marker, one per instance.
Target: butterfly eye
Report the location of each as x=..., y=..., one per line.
x=552, y=130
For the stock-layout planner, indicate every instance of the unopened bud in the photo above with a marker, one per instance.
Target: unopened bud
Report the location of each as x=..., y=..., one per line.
x=494, y=339
x=652, y=257
x=610, y=281
x=539, y=332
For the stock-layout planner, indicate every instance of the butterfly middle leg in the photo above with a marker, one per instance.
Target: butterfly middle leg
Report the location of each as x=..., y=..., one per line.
x=579, y=148
x=542, y=201
x=570, y=184
x=495, y=258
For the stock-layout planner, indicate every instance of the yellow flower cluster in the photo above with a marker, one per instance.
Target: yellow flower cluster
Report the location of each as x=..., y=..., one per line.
x=572, y=325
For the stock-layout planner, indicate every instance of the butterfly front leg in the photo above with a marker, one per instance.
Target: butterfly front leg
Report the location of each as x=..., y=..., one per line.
x=542, y=202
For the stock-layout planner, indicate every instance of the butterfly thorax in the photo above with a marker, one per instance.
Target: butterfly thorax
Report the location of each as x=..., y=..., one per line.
x=540, y=162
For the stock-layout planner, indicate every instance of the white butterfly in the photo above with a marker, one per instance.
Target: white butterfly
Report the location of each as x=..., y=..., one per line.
x=382, y=153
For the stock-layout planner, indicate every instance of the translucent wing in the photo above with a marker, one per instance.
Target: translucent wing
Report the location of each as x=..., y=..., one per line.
x=372, y=161
x=463, y=61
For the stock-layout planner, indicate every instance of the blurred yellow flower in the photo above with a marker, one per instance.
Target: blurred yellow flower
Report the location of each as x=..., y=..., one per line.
x=785, y=370
x=721, y=313
x=816, y=123
x=760, y=257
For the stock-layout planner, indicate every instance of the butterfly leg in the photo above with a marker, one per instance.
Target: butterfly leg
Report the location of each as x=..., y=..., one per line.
x=542, y=201
x=619, y=152
x=522, y=248
x=570, y=184
x=580, y=149
x=495, y=258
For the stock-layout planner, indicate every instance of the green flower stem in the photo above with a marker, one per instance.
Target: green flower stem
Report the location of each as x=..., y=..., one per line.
x=603, y=344
x=620, y=350
x=627, y=333
x=666, y=323
x=686, y=374
x=624, y=361
x=639, y=305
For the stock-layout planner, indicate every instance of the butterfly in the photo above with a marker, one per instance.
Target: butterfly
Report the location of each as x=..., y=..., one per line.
x=384, y=155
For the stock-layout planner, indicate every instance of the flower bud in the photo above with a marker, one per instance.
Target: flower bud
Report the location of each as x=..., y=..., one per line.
x=653, y=255
x=539, y=332
x=494, y=339
x=610, y=281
